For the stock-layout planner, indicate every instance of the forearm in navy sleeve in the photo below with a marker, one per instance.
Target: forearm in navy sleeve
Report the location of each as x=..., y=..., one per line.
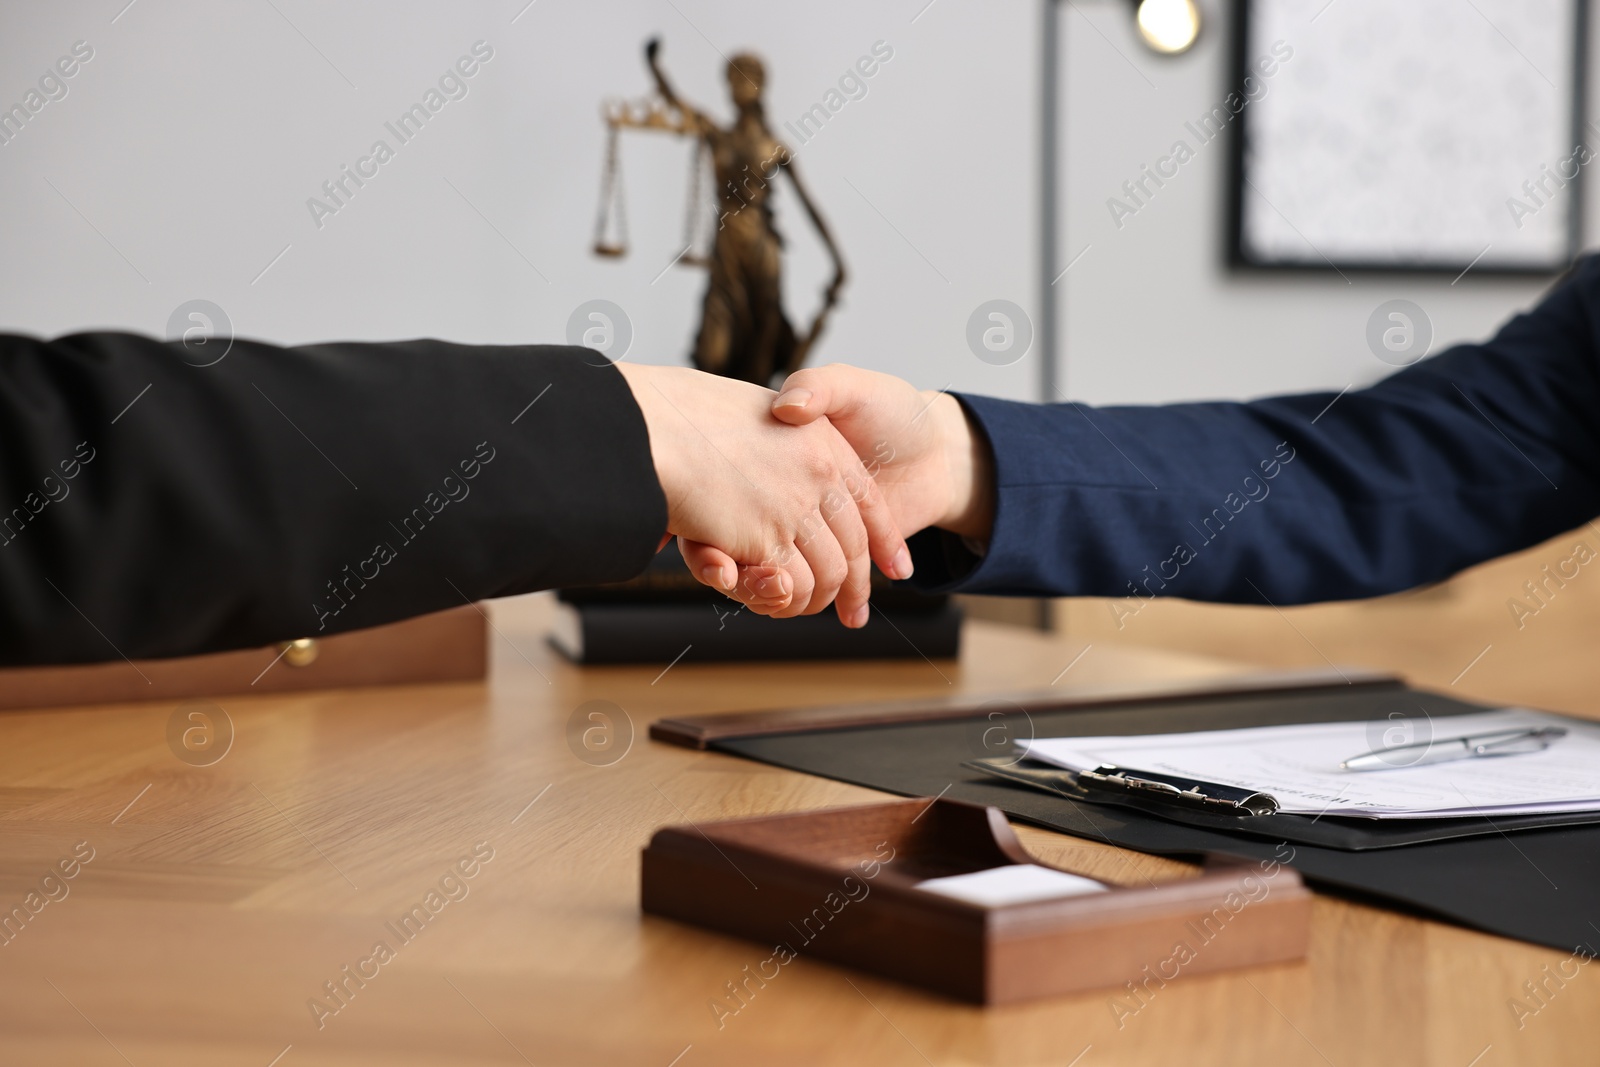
x=1479, y=451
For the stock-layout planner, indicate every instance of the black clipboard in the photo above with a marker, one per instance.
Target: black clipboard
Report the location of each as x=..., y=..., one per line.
x=1226, y=808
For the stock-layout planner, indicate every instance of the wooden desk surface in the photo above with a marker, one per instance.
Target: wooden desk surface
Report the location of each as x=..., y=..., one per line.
x=219, y=900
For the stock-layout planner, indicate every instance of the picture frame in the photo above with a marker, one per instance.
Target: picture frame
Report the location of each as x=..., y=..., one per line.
x=1453, y=164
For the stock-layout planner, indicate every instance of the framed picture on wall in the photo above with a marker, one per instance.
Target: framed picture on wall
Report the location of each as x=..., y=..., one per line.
x=1429, y=135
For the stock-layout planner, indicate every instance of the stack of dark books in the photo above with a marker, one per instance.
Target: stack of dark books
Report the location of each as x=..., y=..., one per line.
x=664, y=614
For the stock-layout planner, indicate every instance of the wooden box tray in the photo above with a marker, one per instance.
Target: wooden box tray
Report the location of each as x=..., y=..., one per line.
x=841, y=884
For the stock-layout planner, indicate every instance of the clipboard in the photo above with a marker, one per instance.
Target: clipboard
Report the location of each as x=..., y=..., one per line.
x=1212, y=806
x=1258, y=699
x=1107, y=784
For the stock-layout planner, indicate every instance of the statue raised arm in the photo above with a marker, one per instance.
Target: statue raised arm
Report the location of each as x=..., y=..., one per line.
x=744, y=332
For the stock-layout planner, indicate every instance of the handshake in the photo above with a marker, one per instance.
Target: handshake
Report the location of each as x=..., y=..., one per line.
x=784, y=500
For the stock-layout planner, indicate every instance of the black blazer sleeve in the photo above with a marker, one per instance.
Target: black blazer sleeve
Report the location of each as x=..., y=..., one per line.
x=152, y=507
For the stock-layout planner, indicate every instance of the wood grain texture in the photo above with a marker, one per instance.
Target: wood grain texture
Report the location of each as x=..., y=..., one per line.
x=220, y=899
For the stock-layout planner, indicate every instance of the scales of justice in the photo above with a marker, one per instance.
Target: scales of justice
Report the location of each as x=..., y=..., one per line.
x=743, y=332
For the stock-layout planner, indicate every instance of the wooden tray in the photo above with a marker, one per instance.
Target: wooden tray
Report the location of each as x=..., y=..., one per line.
x=841, y=884
x=446, y=646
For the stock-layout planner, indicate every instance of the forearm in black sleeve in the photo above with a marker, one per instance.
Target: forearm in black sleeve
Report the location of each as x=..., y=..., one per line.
x=150, y=507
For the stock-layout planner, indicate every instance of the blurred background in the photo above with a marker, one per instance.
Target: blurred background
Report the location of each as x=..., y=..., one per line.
x=978, y=162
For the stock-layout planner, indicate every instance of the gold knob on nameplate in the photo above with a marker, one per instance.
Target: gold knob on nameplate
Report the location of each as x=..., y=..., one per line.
x=301, y=653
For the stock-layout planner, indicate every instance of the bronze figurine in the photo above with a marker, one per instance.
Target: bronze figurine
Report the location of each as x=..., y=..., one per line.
x=744, y=332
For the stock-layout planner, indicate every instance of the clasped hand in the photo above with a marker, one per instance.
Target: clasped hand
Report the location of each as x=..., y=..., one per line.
x=768, y=493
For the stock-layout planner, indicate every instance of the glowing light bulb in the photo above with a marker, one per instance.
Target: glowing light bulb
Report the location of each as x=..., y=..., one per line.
x=1169, y=26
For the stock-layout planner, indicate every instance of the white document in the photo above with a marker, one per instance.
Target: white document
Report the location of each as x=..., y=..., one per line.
x=1299, y=766
x=1017, y=883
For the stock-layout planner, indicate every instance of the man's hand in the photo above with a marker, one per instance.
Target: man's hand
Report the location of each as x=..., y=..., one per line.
x=794, y=518
x=933, y=467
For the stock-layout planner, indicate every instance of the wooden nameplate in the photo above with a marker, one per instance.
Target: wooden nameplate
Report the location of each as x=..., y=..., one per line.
x=445, y=646
x=701, y=731
x=841, y=884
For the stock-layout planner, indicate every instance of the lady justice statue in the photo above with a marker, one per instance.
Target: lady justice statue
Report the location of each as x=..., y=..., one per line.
x=743, y=330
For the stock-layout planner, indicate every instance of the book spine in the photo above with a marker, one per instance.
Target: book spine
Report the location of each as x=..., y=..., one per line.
x=661, y=633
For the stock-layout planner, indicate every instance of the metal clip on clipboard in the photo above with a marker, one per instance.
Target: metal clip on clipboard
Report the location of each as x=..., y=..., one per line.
x=1123, y=782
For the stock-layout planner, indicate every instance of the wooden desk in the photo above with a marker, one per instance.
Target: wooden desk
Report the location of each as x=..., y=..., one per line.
x=221, y=899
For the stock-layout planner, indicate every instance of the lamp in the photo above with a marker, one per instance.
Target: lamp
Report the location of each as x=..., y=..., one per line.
x=1168, y=26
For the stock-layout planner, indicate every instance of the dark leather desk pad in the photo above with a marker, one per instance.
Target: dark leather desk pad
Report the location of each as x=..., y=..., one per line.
x=1535, y=878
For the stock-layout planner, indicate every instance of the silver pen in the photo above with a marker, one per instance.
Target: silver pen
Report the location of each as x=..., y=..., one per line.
x=1500, y=743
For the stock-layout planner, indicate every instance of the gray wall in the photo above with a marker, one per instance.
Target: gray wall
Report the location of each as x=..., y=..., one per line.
x=1151, y=313
x=184, y=153
x=193, y=138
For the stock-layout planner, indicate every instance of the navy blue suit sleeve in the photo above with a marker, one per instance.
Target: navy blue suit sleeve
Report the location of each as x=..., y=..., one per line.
x=1479, y=451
